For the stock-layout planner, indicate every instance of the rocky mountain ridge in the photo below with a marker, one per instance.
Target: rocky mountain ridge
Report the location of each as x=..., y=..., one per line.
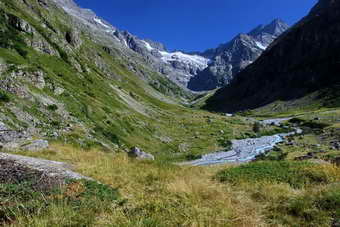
x=303, y=60
x=198, y=71
x=230, y=58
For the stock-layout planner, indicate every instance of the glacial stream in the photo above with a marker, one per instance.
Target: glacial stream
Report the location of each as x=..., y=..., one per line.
x=245, y=150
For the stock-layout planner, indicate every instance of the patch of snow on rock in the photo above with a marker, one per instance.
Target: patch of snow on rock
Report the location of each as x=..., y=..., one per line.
x=148, y=46
x=99, y=21
x=261, y=46
x=199, y=61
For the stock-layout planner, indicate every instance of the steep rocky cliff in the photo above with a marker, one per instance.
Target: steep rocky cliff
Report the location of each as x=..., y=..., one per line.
x=303, y=60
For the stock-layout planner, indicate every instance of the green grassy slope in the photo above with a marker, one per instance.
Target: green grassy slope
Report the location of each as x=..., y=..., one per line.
x=88, y=95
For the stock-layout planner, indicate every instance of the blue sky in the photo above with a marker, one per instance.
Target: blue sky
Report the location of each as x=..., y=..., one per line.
x=195, y=25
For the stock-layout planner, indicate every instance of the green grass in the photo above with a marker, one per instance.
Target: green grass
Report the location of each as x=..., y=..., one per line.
x=296, y=174
x=314, y=208
x=85, y=199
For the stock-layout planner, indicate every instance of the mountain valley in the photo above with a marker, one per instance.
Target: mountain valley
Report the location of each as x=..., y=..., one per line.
x=101, y=128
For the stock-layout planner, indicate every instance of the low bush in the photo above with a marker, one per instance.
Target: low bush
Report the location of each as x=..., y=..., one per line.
x=52, y=107
x=4, y=97
x=257, y=127
x=315, y=125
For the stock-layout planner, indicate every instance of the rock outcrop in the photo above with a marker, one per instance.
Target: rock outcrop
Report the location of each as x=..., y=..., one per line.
x=48, y=174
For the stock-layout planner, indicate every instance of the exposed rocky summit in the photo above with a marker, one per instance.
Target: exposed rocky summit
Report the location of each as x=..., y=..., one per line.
x=303, y=60
x=230, y=58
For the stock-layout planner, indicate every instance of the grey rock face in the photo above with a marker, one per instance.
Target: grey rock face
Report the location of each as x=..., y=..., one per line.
x=36, y=145
x=135, y=152
x=231, y=58
x=20, y=24
x=11, y=136
x=73, y=38
x=55, y=170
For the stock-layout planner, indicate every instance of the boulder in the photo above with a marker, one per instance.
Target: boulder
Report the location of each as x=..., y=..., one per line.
x=36, y=145
x=73, y=38
x=335, y=145
x=137, y=153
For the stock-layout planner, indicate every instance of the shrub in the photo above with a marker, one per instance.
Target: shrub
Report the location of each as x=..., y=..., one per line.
x=20, y=50
x=308, y=124
x=52, y=107
x=296, y=120
x=108, y=134
x=257, y=127
x=225, y=143
x=4, y=97
x=315, y=125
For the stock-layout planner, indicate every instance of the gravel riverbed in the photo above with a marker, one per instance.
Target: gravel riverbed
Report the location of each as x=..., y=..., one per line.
x=245, y=150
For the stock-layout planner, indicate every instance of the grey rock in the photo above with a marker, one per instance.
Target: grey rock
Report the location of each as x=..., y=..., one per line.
x=135, y=152
x=73, y=38
x=232, y=57
x=335, y=145
x=39, y=43
x=12, y=136
x=20, y=24
x=2, y=126
x=59, y=91
x=43, y=3
x=36, y=145
x=50, y=168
